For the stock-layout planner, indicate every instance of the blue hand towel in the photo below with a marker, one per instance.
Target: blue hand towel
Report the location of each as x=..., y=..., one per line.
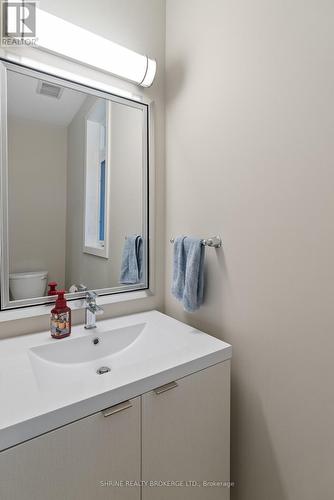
x=188, y=274
x=132, y=260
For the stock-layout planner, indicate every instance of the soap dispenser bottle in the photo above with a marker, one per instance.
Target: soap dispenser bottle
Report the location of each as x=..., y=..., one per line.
x=53, y=288
x=60, y=320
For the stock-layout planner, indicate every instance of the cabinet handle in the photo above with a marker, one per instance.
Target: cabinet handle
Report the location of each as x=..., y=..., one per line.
x=117, y=408
x=166, y=387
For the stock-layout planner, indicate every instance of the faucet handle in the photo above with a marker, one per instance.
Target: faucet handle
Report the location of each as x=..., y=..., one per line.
x=90, y=295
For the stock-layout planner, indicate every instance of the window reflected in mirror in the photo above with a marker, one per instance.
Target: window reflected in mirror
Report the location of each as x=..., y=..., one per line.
x=96, y=178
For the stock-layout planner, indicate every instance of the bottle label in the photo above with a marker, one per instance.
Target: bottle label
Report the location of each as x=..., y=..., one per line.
x=60, y=324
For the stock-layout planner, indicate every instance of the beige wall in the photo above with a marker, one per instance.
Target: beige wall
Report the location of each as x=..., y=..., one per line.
x=37, y=197
x=126, y=172
x=250, y=156
x=138, y=25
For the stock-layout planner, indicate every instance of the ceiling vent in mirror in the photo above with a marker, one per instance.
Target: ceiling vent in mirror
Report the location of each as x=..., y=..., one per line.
x=49, y=89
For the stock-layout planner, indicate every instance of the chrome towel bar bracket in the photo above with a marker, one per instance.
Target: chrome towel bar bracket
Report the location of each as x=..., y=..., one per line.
x=215, y=242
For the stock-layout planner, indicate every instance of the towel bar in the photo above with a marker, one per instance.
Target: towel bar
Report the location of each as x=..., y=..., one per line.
x=215, y=242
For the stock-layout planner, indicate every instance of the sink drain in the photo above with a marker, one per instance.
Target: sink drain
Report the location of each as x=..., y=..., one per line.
x=103, y=369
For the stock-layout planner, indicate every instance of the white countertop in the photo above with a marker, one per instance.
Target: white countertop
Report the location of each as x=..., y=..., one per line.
x=38, y=395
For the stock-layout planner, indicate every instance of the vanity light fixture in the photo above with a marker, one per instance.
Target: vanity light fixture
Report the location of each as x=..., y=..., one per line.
x=63, y=38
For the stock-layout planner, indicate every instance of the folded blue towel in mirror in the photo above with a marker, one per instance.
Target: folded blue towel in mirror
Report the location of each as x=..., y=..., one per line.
x=132, y=260
x=188, y=272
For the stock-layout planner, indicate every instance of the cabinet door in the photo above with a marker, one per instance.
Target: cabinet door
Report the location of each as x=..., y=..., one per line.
x=186, y=429
x=75, y=462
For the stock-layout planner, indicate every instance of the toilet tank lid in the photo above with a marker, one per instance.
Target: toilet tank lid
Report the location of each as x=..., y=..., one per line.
x=32, y=274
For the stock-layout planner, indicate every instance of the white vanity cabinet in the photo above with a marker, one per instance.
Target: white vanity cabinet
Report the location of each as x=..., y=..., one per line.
x=69, y=463
x=177, y=432
x=186, y=437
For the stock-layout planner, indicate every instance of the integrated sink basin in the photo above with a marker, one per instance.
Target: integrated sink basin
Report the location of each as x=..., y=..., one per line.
x=47, y=383
x=97, y=345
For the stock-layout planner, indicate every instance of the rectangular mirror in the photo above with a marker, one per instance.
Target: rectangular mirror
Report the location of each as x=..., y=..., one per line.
x=74, y=202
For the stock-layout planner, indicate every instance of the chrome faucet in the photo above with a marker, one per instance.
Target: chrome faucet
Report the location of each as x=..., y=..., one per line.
x=91, y=310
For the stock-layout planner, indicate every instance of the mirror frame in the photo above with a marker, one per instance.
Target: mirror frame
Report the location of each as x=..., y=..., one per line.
x=89, y=87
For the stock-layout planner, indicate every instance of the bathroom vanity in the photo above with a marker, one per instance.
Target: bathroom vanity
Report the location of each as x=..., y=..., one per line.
x=137, y=409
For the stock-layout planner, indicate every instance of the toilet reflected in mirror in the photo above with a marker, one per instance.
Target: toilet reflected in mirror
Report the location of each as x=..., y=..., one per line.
x=27, y=285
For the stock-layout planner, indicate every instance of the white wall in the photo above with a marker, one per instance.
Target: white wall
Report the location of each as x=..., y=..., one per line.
x=250, y=156
x=139, y=25
x=37, y=160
